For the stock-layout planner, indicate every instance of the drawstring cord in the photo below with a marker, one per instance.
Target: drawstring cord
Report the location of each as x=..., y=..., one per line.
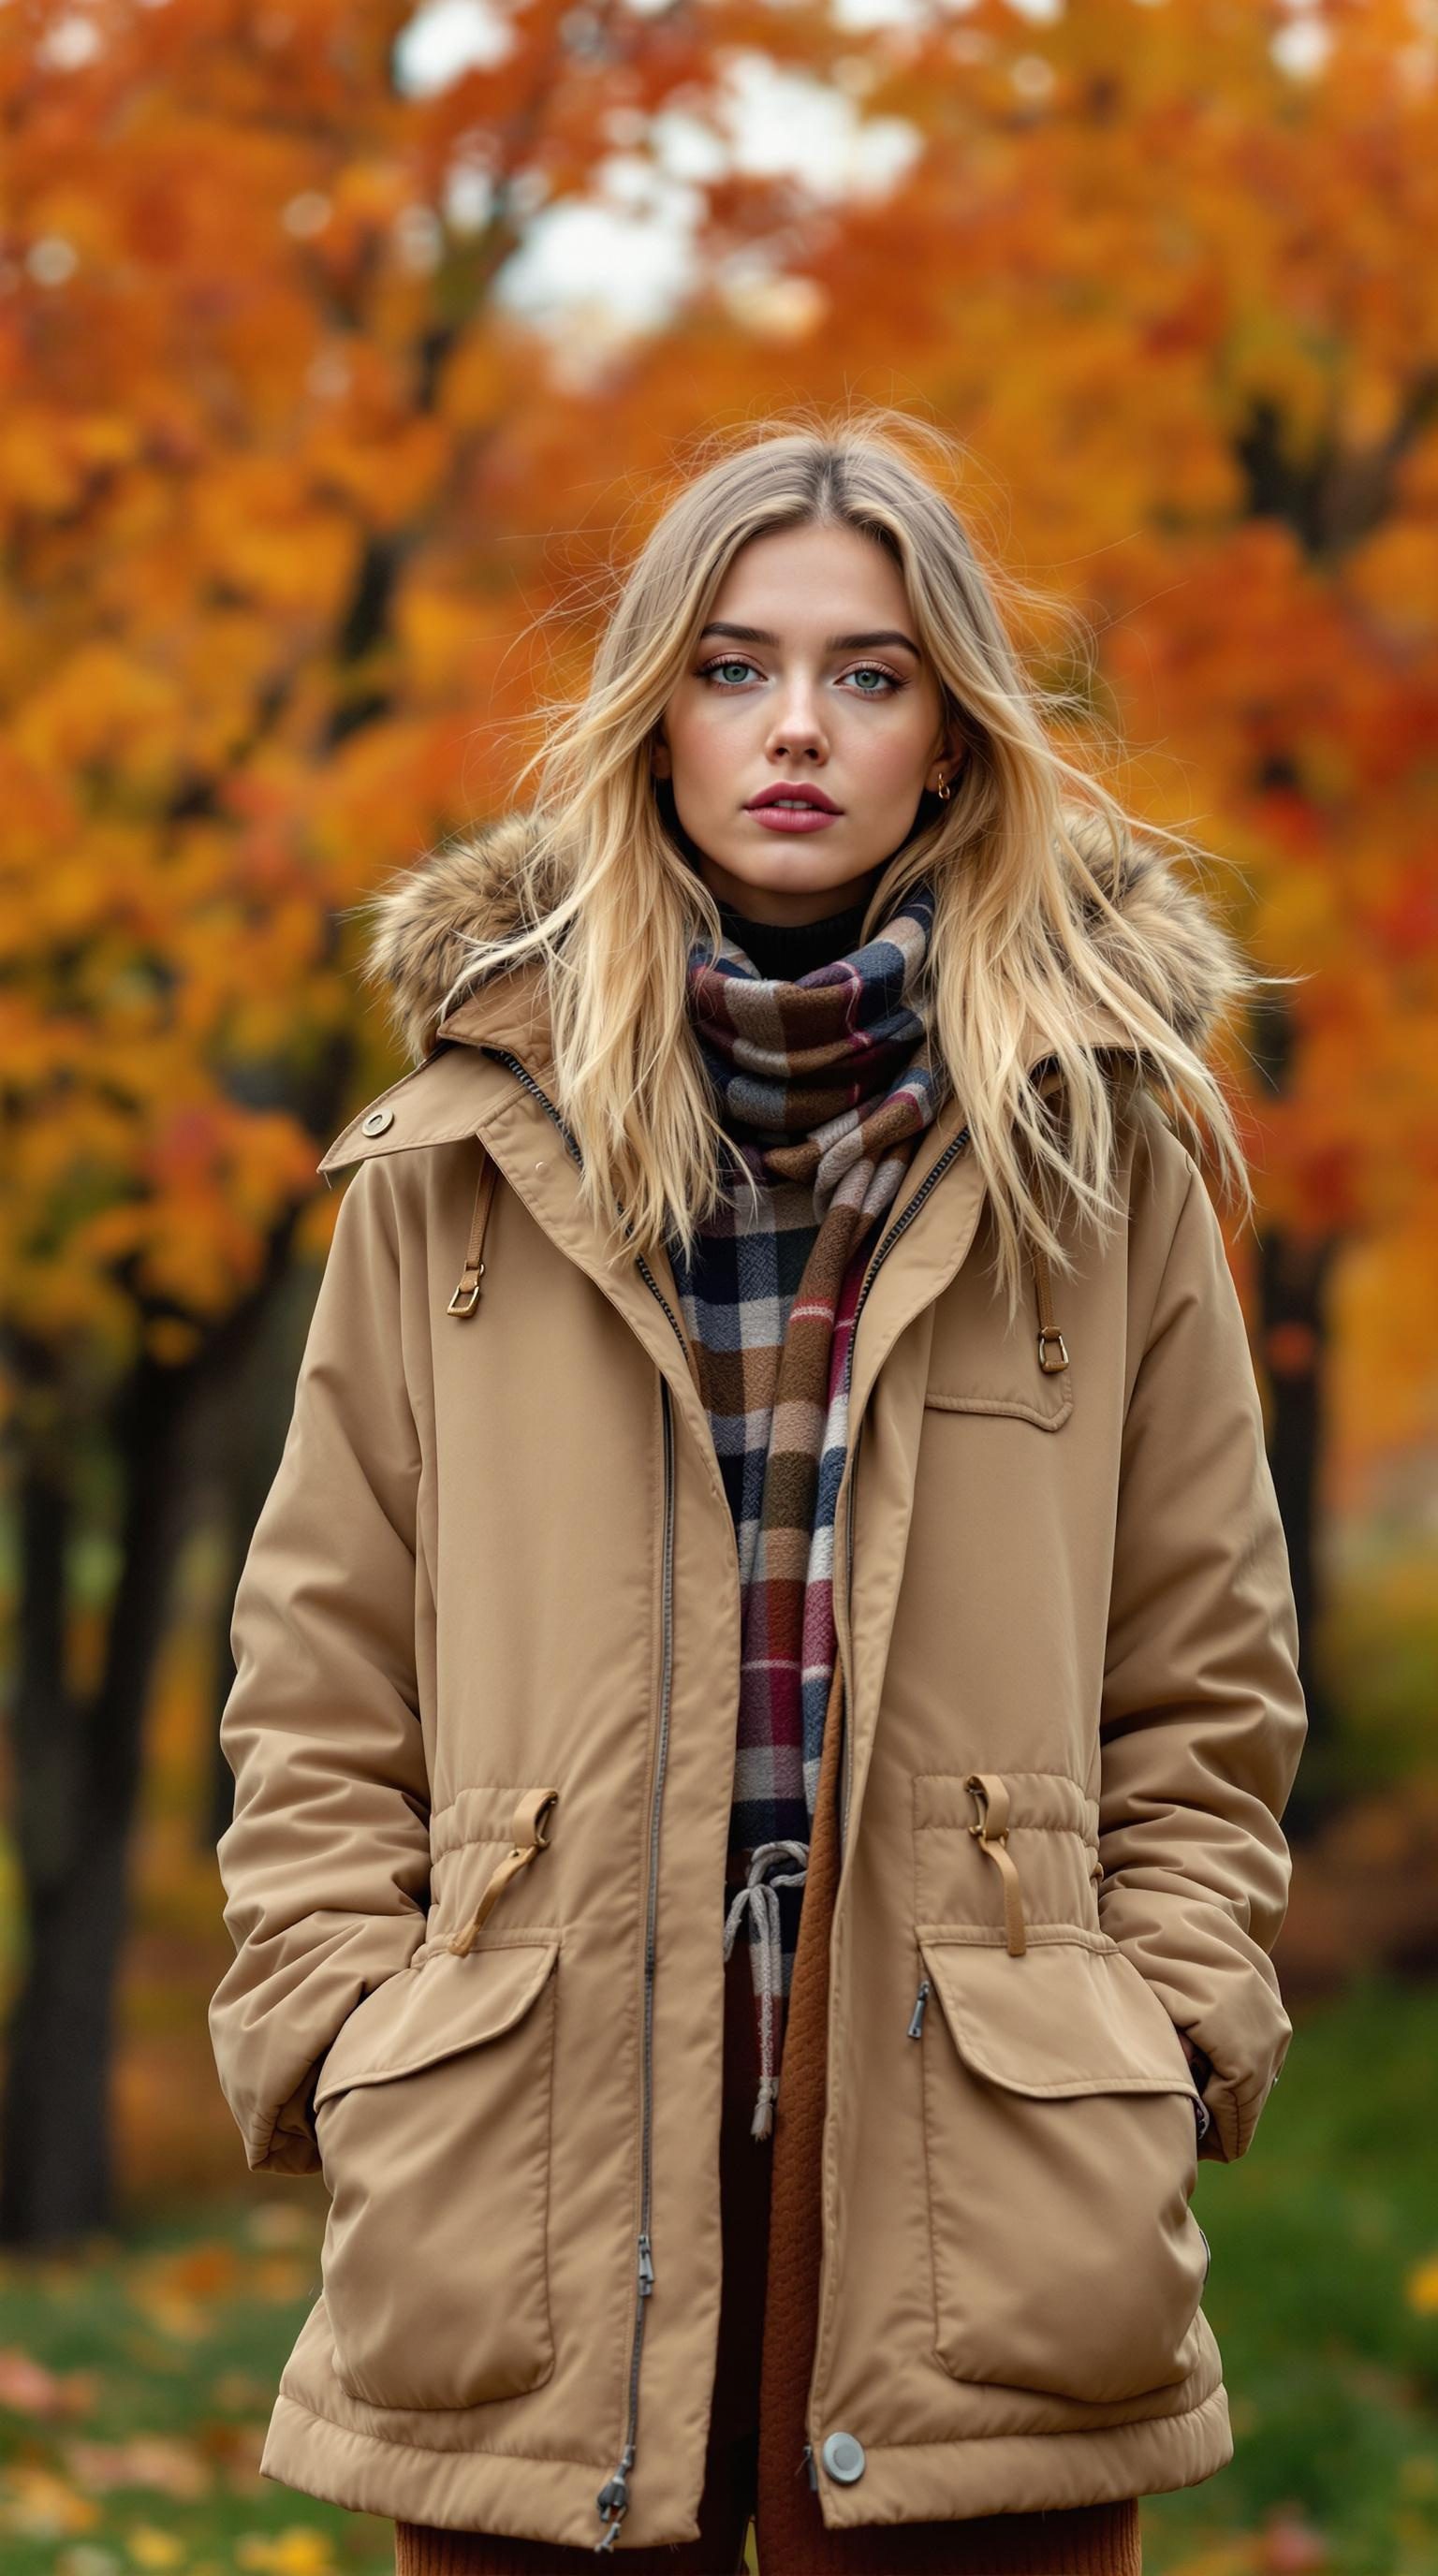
x=531, y=1835
x=990, y=1794
x=760, y=1895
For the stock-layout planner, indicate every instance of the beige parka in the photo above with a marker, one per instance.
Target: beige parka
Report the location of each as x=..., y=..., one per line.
x=482, y=1731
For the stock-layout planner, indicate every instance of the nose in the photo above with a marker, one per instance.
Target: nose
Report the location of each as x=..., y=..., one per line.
x=796, y=730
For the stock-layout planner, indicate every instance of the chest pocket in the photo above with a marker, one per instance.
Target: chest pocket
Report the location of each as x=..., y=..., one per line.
x=981, y=1363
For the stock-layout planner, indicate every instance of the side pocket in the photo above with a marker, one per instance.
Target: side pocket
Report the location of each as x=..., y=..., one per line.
x=1061, y=2155
x=432, y=2114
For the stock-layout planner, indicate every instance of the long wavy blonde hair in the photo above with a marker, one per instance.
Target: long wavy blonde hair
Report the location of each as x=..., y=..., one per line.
x=611, y=902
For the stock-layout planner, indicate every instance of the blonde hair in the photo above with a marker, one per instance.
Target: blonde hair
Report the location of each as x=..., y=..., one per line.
x=611, y=903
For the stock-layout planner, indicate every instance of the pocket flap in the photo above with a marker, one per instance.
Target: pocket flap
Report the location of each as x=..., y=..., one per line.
x=1061, y=2018
x=420, y=2015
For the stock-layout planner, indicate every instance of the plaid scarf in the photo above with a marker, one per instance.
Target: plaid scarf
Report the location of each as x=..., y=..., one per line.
x=824, y=1086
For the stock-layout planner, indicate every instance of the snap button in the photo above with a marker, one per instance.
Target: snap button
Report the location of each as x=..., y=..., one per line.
x=376, y=1122
x=843, y=2457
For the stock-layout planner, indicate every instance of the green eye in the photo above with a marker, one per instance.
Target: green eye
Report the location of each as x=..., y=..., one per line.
x=865, y=671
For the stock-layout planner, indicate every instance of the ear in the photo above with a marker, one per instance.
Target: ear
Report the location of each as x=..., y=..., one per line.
x=946, y=768
x=660, y=764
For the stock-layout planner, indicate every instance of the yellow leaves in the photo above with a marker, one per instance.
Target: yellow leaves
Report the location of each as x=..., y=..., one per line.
x=259, y=526
x=177, y=2292
x=441, y=627
x=49, y=457
x=102, y=704
x=299, y=2550
x=389, y=477
x=38, y=2504
x=148, y=2546
x=1420, y=2287
x=477, y=383
x=1395, y=577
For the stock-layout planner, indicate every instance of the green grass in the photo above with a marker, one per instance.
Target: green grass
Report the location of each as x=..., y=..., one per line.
x=1323, y=2295
x=136, y=2379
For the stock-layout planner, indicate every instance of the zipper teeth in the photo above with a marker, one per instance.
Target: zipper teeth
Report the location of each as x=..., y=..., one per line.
x=619, y=2482
x=614, y=2495
x=650, y=1281
x=954, y=1146
x=523, y=1074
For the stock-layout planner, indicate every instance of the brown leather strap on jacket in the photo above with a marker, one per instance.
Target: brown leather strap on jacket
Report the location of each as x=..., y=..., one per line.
x=466, y=1294
x=531, y=1817
x=1053, y=1349
x=992, y=1831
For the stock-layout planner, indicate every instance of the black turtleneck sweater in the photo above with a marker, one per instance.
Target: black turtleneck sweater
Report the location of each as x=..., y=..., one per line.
x=788, y=950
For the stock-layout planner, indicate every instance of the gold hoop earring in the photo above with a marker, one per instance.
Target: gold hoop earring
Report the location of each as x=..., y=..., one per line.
x=944, y=791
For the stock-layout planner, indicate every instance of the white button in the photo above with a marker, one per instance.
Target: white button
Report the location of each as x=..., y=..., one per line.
x=376, y=1122
x=843, y=2457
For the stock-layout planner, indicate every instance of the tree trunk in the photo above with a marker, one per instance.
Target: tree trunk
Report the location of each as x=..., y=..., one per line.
x=78, y=1773
x=1292, y=1285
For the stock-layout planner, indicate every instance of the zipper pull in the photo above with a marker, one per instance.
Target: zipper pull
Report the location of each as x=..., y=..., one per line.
x=614, y=2499
x=646, y=2268
x=806, y=2461
x=916, y=2023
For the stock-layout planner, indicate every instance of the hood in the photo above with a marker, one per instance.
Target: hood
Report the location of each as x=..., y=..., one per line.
x=1170, y=944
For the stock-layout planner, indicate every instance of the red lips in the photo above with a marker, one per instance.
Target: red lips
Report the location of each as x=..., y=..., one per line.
x=788, y=793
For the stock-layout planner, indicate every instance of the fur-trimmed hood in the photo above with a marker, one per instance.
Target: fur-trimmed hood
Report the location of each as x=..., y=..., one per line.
x=1172, y=945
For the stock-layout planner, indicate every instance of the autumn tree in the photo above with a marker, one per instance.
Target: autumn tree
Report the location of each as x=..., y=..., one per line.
x=313, y=451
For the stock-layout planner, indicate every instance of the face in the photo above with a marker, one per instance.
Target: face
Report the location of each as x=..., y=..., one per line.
x=810, y=679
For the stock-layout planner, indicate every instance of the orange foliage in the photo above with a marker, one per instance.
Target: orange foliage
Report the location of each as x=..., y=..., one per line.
x=294, y=508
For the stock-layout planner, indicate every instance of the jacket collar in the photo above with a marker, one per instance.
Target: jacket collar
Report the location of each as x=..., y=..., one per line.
x=1166, y=937
x=424, y=918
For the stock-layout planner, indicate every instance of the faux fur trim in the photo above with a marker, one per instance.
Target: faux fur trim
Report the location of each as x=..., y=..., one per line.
x=1169, y=943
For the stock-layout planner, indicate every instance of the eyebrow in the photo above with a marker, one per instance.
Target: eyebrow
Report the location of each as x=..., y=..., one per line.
x=832, y=643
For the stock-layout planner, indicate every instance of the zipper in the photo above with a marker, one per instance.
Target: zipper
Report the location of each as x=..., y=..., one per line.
x=916, y=2020
x=955, y=1146
x=613, y=2497
x=522, y=1074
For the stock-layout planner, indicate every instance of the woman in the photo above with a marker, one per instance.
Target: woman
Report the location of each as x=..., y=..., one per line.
x=766, y=1679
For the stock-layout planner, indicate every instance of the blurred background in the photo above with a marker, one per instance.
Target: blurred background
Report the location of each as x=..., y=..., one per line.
x=342, y=347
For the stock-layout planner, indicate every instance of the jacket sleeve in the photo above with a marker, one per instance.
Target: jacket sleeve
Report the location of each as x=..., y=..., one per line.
x=325, y=1864
x=1203, y=1717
